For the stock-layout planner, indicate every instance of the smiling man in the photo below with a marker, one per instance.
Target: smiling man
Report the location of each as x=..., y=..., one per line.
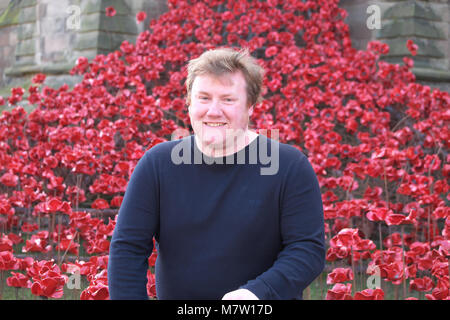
x=223, y=228
x=219, y=114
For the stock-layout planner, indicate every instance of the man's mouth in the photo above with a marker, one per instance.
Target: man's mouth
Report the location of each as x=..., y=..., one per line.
x=215, y=124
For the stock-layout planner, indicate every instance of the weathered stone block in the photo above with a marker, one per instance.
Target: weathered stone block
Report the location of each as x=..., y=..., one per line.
x=434, y=66
x=89, y=22
x=154, y=8
x=87, y=40
x=440, y=79
x=119, y=24
x=116, y=24
x=10, y=15
x=92, y=6
x=407, y=9
x=42, y=10
x=8, y=53
x=12, y=37
x=52, y=25
x=25, y=47
x=57, y=8
x=4, y=39
x=411, y=27
x=28, y=3
x=24, y=60
x=59, y=80
x=88, y=53
x=56, y=43
x=112, y=41
x=426, y=48
x=25, y=31
x=27, y=14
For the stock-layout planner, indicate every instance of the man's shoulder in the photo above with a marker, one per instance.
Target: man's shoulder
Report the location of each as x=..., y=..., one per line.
x=163, y=150
x=292, y=151
x=283, y=158
x=287, y=152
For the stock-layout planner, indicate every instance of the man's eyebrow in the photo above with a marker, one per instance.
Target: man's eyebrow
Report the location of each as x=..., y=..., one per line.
x=223, y=95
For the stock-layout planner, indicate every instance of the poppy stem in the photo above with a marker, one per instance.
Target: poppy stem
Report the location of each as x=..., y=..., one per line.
x=101, y=162
x=17, y=293
x=68, y=247
x=308, y=293
x=403, y=261
x=353, y=270
x=381, y=247
x=52, y=227
x=379, y=235
x=448, y=258
x=396, y=292
x=322, y=287
x=78, y=241
x=381, y=240
x=361, y=277
x=59, y=239
x=386, y=187
x=429, y=226
x=1, y=284
x=78, y=188
x=329, y=239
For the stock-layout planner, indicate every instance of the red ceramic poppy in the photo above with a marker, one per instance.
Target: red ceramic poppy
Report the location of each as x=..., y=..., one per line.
x=141, y=16
x=110, y=11
x=18, y=280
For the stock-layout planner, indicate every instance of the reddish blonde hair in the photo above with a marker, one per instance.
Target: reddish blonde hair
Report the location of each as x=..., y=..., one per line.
x=219, y=62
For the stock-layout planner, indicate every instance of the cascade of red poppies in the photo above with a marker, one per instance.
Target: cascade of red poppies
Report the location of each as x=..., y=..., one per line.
x=378, y=142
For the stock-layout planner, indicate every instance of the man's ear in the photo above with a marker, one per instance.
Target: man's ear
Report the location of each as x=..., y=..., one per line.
x=187, y=102
x=250, y=110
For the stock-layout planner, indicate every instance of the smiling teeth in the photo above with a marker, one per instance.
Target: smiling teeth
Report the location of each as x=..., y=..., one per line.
x=211, y=124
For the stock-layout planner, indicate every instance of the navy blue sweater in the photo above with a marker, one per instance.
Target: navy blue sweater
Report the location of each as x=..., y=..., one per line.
x=220, y=224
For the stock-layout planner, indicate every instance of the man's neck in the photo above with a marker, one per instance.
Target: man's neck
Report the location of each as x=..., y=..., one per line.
x=229, y=148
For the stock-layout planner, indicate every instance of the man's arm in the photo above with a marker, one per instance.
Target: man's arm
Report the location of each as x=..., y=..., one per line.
x=132, y=240
x=302, y=258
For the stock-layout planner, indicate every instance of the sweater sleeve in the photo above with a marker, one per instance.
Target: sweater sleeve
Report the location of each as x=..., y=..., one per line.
x=132, y=240
x=302, y=257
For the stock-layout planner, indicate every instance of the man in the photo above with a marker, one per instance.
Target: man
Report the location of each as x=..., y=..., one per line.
x=224, y=228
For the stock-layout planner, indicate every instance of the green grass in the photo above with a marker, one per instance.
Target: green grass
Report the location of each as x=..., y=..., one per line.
x=317, y=290
x=10, y=293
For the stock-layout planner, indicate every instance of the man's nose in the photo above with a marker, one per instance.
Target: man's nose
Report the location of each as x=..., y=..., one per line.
x=214, y=109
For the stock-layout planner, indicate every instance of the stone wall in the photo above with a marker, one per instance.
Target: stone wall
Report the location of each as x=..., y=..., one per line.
x=427, y=23
x=48, y=36
x=9, y=19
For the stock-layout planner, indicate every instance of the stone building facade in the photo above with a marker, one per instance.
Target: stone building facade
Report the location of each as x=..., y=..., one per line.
x=427, y=23
x=48, y=36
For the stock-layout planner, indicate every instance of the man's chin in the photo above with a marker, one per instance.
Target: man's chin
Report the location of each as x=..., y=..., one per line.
x=218, y=141
x=213, y=143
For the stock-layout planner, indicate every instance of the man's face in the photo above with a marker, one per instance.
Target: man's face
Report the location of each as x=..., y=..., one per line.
x=219, y=107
